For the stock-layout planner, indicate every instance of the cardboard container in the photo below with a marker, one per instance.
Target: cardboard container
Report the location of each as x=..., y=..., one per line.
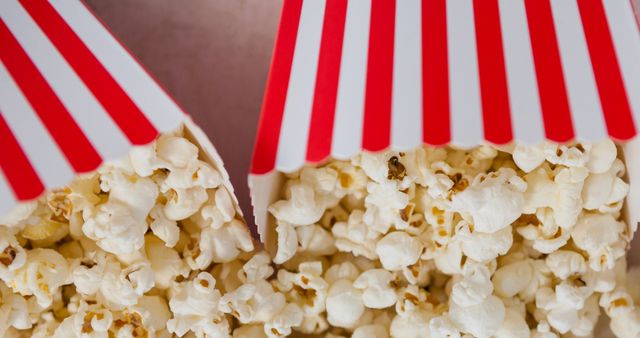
x=72, y=97
x=354, y=76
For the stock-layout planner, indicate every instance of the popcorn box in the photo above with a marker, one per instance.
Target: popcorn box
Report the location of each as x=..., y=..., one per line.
x=72, y=97
x=364, y=76
x=353, y=77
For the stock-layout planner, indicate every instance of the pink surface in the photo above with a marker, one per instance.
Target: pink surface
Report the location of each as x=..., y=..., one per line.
x=213, y=57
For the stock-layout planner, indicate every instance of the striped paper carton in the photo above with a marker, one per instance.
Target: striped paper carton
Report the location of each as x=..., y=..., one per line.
x=72, y=97
x=351, y=76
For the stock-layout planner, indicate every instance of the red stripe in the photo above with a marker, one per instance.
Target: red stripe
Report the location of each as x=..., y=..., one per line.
x=111, y=96
x=613, y=97
x=266, y=147
x=16, y=167
x=491, y=68
x=551, y=86
x=435, y=78
x=62, y=127
x=377, y=106
x=324, y=101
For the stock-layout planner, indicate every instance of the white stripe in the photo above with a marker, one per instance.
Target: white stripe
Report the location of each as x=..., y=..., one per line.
x=90, y=116
x=626, y=40
x=7, y=200
x=292, y=146
x=406, y=109
x=521, y=74
x=464, y=83
x=584, y=100
x=349, y=116
x=34, y=139
x=159, y=108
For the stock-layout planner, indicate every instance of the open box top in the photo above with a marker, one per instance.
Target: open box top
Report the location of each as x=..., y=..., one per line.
x=369, y=75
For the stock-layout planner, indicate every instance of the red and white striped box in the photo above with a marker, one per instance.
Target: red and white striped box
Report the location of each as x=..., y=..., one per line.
x=351, y=76
x=72, y=97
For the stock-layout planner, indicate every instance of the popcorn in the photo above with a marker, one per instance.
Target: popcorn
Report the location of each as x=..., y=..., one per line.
x=370, y=331
x=482, y=319
x=119, y=225
x=302, y=208
x=398, y=250
x=195, y=306
x=565, y=263
x=435, y=242
x=474, y=287
x=528, y=157
x=164, y=228
x=494, y=201
x=355, y=236
x=605, y=191
x=513, y=326
x=287, y=242
x=599, y=236
x=483, y=247
x=442, y=326
x=344, y=304
x=12, y=255
x=13, y=311
x=44, y=272
x=377, y=288
x=569, y=182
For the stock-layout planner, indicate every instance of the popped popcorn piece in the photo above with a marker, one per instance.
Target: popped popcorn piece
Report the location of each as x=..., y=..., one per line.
x=377, y=288
x=483, y=247
x=474, y=287
x=493, y=201
x=568, y=204
x=370, y=331
x=287, y=242
x=280, y=325
x=605, y=191
x=164, y=228
x=528, y=157
x=344, y=304
x=600, y=236
x=13, y=311
x=565, y=263
x=12, y=255
x=355, y=236
x=601, y=155
x=513, y=326
x=398, y=249
x=44, y=272
x=442, y=326
x=480, y=320
x=302, y=208
x=195, y=308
